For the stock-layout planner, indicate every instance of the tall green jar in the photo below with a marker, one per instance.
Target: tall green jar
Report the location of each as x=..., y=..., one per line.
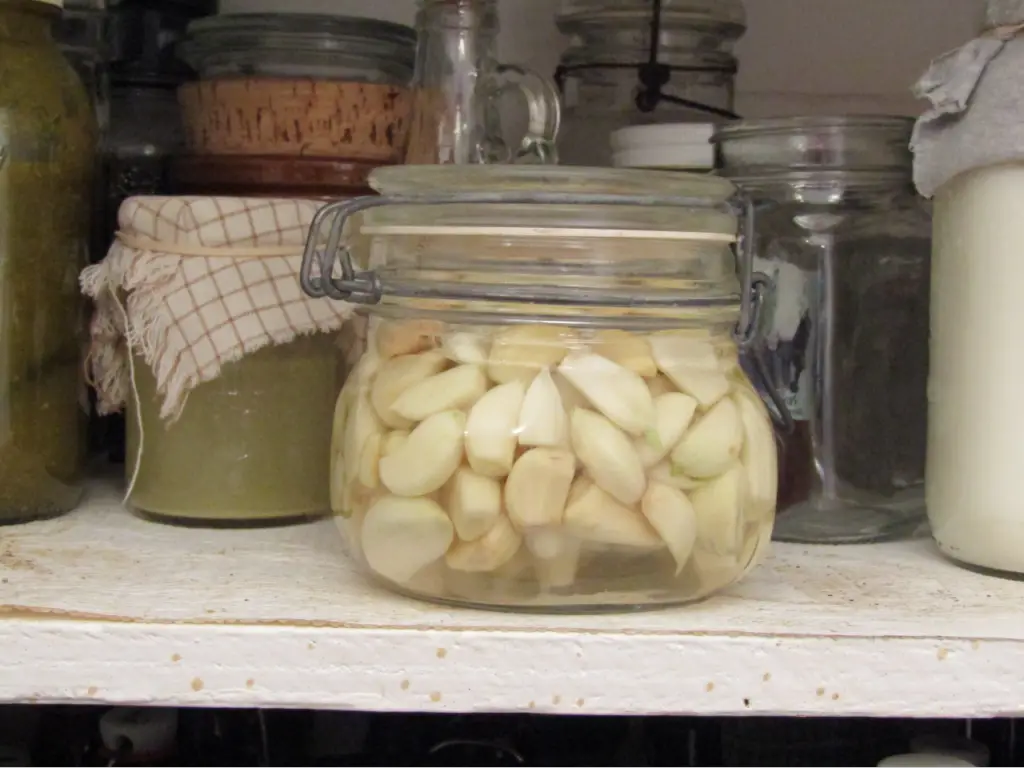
x=47, y=150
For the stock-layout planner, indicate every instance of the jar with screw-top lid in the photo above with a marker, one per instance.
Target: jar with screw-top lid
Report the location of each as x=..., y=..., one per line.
x=550, y=413
x=846, y=241
x=634, y=62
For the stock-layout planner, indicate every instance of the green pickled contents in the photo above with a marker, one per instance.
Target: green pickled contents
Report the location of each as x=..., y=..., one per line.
x=253, y=446
x=47, y=141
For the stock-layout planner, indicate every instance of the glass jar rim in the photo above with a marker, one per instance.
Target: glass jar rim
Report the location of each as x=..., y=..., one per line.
x=744, y=129
x=371, y=43
x=419, y=181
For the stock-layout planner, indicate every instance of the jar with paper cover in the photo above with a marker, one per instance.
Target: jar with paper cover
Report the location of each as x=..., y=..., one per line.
x=550, y=413
x=224, y=393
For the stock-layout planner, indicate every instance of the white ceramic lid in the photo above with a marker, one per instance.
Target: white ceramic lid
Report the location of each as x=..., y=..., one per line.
x=669, y=146
x=924, y=760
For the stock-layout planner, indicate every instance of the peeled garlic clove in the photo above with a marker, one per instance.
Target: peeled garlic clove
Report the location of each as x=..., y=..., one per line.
x=538, y=486
x=546, y=543
x=369, y=476
x=558, y=570
x=402, y=536
x=491, y=429
x=338, y=485
x=395, y=377
x=674, y=477
x=407, y=337
x=759, y=455
x=714, y=572
x=608, y=455
x=520, y=353
x=626, y=349
x=713, y=444
x=692, y=365
x=363, y=426
x=465, y=348
x=487, y=553
x=616, y=392
x=672, y=515
x=719, y=510
x=474, y=503
x=449, y=391
x=595, y=516
x=341, y=408
x=672, y=416
x=428, y=458
x=543, y=422
x=393, y=441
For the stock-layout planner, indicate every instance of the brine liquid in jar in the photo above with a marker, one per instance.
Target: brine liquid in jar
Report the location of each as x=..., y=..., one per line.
x=548, y=467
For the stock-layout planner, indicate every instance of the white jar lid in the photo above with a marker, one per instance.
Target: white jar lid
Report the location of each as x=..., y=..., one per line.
x=150, y=731
x=925, y=760
x=679, y=146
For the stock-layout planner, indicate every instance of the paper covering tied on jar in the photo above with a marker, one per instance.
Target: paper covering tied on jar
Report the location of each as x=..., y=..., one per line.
x=226, y=369
x=969, y=156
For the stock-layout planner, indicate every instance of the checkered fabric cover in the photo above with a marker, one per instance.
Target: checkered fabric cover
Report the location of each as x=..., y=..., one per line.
x=194, y=283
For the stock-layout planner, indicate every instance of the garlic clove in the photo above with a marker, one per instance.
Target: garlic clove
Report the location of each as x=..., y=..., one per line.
x=486, y=553
x=674, y=477
x=473, y=502
x=558, y=569
x=369, y=476
x=341, y=408
x=691, y=364
x=491, y=429
x=616, y=392
x=719, y=510
x=395, y=377
x=401, y=536
x=338, y=485
x=393, y=441
x=595, y=516
x=759, y=454
x=713, y=444
x=543, y=422
x=673, y=414
x=538, y=487
x=407, y=337
x=672, y=515
x=449, y=391
x=571, y=397
x=362, y=427
x=626, y=349
x=608, y=456
x=465, y=348
x=521, y=352
x=428, y=458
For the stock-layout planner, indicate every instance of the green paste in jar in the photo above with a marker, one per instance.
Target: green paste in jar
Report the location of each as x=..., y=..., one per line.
x=252, y=446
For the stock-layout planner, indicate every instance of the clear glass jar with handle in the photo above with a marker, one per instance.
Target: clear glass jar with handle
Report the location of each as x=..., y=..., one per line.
x=459, y=86
x=847, y=242
x=550, y=413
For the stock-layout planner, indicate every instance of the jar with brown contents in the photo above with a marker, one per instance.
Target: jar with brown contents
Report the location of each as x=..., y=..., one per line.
x=46, y=165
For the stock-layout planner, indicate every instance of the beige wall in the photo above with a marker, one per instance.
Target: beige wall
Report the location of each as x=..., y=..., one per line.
x=798, y=56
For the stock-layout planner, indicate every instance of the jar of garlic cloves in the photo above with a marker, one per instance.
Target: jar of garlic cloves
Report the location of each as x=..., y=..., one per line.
x=550, y=413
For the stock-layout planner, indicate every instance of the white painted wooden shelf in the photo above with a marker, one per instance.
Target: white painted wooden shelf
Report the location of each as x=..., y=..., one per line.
x=101, y=607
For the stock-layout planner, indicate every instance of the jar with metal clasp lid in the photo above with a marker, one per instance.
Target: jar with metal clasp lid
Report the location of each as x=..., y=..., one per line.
x=550, y=413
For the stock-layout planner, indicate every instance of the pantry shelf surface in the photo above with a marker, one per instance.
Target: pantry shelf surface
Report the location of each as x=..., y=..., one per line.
x=101, y=607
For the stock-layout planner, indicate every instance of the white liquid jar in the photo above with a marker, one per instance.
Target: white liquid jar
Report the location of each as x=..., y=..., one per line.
x=976, y=419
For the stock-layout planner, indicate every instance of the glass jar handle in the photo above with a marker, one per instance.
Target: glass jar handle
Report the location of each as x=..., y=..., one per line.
x=544, y=112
